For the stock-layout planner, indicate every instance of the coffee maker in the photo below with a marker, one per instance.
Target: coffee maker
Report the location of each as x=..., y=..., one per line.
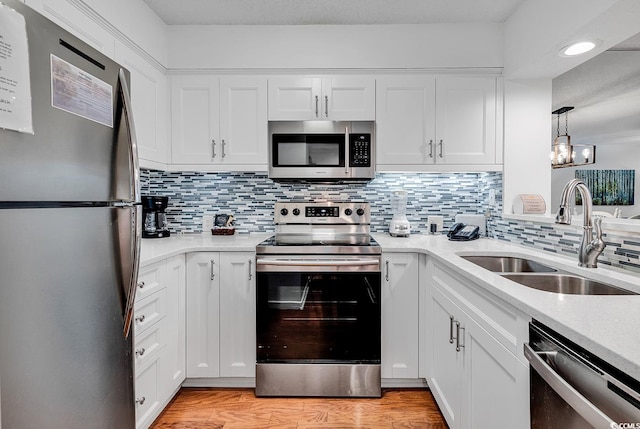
x=154, y=217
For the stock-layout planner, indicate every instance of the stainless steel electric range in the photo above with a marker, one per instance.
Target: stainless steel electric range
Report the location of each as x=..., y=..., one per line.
x=318, y=302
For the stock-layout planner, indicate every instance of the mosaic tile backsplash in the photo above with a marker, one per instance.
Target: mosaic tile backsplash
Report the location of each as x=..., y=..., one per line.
x=250, y=198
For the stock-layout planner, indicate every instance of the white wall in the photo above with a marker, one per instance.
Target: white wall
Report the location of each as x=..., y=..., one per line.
x=336, y=46
x=527, y=108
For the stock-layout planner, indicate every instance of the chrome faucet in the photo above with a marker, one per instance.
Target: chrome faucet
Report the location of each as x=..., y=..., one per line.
x=590, y=248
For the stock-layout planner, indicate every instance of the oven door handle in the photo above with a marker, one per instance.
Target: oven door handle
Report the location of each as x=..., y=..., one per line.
x=578, y=402
x=317, y=262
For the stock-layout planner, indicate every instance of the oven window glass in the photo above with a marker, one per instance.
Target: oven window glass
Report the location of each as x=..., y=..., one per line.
x=318, y=317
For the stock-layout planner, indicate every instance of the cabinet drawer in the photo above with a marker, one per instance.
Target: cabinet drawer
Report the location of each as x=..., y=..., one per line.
x=150, y=280
x=147, y=395
x=495, y=316
x=148, y=345
x=149, y=310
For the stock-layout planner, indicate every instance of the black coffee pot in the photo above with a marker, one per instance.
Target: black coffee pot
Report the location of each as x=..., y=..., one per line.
x=154, y=218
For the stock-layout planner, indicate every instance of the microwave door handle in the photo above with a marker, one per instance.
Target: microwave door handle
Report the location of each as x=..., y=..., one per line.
x=578, y=402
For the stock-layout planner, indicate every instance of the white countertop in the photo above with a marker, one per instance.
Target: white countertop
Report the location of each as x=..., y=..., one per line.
x=607, y=325
x=157, y=249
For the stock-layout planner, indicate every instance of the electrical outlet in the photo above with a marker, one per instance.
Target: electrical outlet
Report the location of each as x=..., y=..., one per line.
x=492, y=197
x=207, y=223
x=437, y=220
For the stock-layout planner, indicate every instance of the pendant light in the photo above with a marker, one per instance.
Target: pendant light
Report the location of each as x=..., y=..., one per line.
x=563, y=153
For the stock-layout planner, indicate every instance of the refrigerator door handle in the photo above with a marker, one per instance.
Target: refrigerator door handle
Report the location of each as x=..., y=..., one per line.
x=134, y=164
x=134, y=170
x=133, y=283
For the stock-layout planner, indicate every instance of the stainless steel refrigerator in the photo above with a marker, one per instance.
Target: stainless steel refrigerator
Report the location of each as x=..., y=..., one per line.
x=69, y=236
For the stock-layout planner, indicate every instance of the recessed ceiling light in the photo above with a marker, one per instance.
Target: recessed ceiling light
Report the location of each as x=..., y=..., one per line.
x=577, y=48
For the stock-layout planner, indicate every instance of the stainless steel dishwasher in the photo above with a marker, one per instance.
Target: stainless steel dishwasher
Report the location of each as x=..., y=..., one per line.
x=573, y=389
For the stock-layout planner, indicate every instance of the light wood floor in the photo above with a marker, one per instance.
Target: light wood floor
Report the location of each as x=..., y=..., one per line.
x=195, y=408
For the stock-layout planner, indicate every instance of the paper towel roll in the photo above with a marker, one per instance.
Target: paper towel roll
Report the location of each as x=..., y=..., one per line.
x=529, y=204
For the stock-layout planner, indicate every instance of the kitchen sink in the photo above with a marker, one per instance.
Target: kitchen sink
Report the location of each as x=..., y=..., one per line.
x=566, y=284
x=509, y=264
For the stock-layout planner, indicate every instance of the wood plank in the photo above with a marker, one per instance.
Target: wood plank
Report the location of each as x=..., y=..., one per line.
x=200, y=408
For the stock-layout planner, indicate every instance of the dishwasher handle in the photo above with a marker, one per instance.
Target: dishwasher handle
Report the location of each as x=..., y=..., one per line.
x=578, y=402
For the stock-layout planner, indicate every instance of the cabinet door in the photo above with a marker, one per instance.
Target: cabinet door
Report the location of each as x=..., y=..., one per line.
x=195, y=120
x=294, y=98
x=405, y=108
x=492, y=379
x=174, y=363
x=203, y=314
x=243, y=120
x=349, y=98
x=399, y=316
x=150, y=98
x=237, y=314
x=466, y=120
x=445, y=381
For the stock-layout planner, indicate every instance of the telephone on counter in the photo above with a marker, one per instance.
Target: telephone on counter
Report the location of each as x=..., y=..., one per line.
x=463, y=232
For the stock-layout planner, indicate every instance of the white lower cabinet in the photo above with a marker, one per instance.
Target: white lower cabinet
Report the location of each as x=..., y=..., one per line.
x=221, y=314
x=400, y=304
x=158, y=343
x=477, y=381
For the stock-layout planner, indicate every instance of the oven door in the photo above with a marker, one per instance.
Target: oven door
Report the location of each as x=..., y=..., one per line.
x=320, y=309
x=310, y=156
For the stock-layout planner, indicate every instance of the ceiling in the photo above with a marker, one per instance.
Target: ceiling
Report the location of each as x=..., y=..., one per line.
x=327, y=12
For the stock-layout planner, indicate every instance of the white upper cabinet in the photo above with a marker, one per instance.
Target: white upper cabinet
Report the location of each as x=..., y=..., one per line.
x=336, y=98
x=466, y=120
x=149, y=96
x=424, y=122
x=219, y=121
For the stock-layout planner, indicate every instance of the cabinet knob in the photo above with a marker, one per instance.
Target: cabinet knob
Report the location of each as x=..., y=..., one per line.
x=140, y=351
x=141, y=285
x=140, y=318
x=141, y=400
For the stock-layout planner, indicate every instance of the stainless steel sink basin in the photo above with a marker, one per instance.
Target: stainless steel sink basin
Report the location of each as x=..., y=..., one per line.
x=567, y=284
x=509, y=264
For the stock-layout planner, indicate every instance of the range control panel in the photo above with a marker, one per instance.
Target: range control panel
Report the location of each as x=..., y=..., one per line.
x=325, y=212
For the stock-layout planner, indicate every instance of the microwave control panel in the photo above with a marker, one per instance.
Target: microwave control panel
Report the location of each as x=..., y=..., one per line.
x=359, y=150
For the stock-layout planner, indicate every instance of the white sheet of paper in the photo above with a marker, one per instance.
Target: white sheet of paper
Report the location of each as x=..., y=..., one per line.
x=15, y=84
x=76, y=91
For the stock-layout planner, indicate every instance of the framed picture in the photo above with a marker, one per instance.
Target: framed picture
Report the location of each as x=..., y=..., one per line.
x=608, y=187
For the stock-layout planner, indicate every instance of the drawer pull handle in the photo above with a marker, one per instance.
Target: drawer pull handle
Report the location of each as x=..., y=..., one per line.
x=140, y=318
x=141, y=351
x=141, y=400
x=213, y=273
x=250, y=274
x=451, y=330
x=141, y=285
x=458, y=329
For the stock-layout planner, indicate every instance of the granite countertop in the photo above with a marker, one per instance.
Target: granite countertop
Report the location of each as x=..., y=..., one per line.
x=607, y=325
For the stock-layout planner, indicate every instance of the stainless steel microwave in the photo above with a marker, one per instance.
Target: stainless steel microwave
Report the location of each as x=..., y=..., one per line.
x=322, y=156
